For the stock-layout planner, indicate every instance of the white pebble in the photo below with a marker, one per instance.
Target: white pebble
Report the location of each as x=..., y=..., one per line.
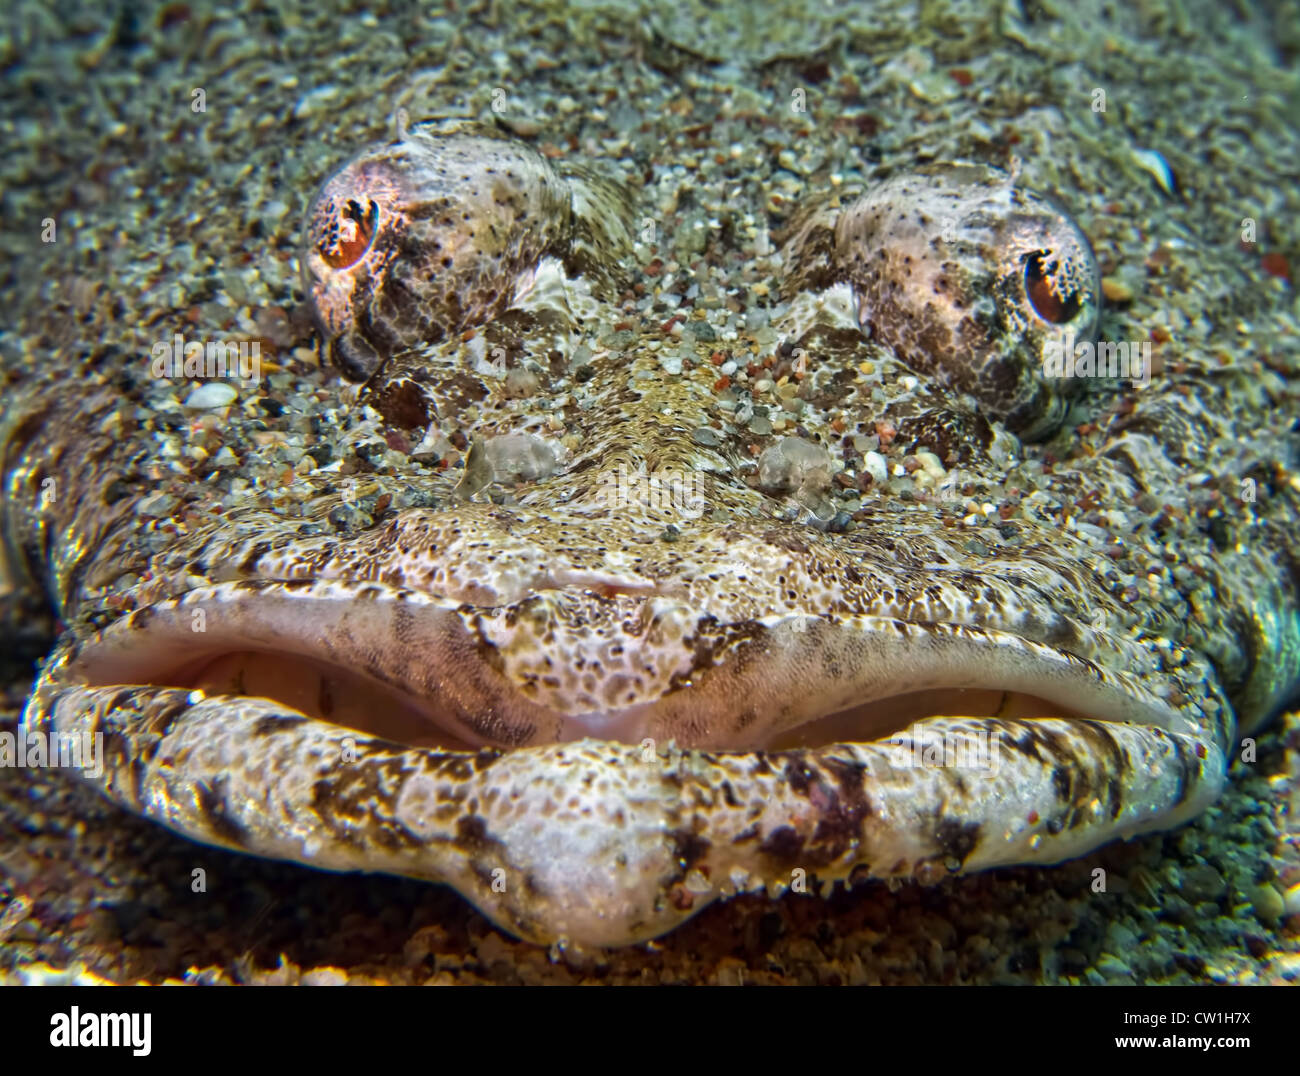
x=312, y=100
x=1151, y=161
x=874, y=464
x=931, y=464
x=211, y=395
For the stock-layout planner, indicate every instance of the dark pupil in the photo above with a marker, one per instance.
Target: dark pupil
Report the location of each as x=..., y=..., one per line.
x=355, y=213
x=342, y=253
x=1046, y=300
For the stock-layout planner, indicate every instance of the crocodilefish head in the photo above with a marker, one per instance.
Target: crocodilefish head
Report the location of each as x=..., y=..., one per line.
x=631, y=585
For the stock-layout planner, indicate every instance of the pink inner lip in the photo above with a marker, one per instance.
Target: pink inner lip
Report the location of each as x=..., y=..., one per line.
x=405, y=668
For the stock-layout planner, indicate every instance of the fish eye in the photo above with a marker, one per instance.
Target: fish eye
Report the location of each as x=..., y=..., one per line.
x=1044, y=290
x=410, y=242
x=968, y=277
x=350, y=234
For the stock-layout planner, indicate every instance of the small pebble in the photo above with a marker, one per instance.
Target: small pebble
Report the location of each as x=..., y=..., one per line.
x=1202, y=882
x=874, y=464
x=1116, y=291
x=1268, y=902
x=211, y=395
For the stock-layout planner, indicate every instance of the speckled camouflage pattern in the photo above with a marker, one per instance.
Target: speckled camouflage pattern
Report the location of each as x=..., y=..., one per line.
x=430, y=233
x=630, y=687
x=941, y=263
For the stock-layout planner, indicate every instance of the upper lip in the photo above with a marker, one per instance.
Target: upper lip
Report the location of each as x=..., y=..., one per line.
x=435, y=657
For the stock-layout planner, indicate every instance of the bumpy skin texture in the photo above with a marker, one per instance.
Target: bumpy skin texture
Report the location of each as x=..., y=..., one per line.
x=618, y=694
x=964, y=275
x=421, y=237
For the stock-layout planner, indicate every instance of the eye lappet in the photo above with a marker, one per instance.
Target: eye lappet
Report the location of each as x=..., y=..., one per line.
x=967, y=276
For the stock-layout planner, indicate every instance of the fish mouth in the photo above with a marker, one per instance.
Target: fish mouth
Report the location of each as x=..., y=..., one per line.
x=424, y=673
x=390, y=738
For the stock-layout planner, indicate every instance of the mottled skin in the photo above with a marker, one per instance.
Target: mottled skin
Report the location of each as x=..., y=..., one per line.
x=444, y=232
x=961, y=261
x=597, y=710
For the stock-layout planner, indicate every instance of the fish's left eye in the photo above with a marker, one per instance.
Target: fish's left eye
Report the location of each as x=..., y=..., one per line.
x=1053, y=300
x=349, y=232
x=967, y=277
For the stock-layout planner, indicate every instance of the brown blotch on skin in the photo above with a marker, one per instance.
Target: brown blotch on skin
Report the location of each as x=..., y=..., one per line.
x=403, y=404
x=255, y=554
x=799, y=775
x=472, y=835
x=688, y=849
x=163, y=719
x=783, y=844
x=212, y=805
x=273, y=723
x=957, y=839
